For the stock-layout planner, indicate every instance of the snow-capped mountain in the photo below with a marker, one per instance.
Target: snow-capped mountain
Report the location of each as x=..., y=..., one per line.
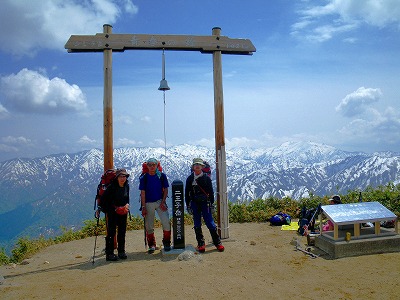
x=40, y=195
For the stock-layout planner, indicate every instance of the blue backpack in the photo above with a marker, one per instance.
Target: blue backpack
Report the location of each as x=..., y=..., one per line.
x=280, y=219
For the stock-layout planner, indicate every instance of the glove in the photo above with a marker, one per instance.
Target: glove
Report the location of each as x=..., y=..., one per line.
x=122, y=210
x=163, y=206
x=144, y=211
x=97, y=213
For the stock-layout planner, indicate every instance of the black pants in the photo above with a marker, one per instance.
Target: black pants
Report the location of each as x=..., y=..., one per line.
x=115, y=220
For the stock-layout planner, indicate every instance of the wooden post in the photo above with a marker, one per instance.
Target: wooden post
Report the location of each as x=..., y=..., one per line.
x=107, y=104
x=222, y=201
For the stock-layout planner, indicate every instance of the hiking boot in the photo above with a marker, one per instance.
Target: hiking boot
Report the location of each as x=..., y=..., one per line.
x=151, y=249
x=122, y=255
x=220, y=247
x=111, y=257
x=201, y=248
x=167, y=240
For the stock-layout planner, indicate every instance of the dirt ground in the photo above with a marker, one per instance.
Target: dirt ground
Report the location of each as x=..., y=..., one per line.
x=260, y=262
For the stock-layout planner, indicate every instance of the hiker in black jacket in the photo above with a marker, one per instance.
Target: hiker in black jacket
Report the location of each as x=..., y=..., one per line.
x=199, y=198
x=115, y=204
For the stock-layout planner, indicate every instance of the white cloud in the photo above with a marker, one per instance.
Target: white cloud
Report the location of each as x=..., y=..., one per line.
x=11, y=144
x=29, y=91
x=12, y=140
x=321, y=23
x=124, y=142
x=8, y=149
x=381, y=128
x=3, y=112
x=146, y=119
x=124, y=119
x=357, y=102
x=204, y=142
x=28, y=26
x=368, y=125
x=86, y=140
x=130, y=7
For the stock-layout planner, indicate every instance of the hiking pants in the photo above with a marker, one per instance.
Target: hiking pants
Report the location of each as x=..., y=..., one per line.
x=113, y=221
x=151, y=208
x=202, y=209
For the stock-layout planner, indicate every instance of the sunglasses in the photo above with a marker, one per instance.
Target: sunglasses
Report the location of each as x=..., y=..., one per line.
x=151, y=165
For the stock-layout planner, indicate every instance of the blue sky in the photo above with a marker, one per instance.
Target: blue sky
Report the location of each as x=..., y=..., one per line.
x=324, y=71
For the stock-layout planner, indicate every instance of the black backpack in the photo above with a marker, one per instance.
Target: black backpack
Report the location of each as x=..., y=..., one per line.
x=307, y=219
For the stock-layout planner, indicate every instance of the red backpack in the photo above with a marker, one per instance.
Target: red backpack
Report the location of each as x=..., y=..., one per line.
x=206, y=169
x=145, y=169
x=105, y=181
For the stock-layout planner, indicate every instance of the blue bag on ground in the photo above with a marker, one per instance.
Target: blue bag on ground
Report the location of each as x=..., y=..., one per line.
x=280, y=219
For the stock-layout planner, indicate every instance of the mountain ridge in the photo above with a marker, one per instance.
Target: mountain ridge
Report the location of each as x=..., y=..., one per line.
x=58, y=190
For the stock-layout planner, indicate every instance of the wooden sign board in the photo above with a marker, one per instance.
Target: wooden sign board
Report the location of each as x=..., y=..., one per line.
x=122, y=42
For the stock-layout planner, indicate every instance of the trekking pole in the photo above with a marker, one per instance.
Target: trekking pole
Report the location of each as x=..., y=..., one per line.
x=306, y=227
x=96, y=233
x=144, y=230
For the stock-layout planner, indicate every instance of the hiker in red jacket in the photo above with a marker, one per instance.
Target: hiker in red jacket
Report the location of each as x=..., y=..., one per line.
x=199, y=198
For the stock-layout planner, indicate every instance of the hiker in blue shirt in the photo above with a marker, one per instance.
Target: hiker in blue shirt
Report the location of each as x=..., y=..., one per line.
x=199, y=198
x=153, y=188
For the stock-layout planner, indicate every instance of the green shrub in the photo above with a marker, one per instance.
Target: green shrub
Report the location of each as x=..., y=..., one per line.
x=4, y=259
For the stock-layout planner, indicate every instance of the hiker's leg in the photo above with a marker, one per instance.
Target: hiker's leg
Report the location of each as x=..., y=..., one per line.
x=121, y=233
x=207, y=216
x=111, y=230
x=196, y=214
x=164, y=217
x=151, y=211
x=166, y=226
x=209, y=221
x=201, y=245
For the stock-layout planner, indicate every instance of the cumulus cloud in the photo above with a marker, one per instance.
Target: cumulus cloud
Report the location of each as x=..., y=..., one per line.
x=357, y=102
x=323, y=22
x=12, y=140
x=12, y=144
x=28, y=26
x=86, y=140
x=124, y=119
x=382, y=128
x=3, y=112
x=124, y=142
x=29, y=91
x=368, y=123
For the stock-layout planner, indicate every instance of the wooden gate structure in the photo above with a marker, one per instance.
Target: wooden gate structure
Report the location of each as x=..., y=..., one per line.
x=107, y=42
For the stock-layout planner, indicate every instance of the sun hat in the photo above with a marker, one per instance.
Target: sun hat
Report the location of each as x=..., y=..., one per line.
x=121, y=172
x=336, y=199
x=198, y=161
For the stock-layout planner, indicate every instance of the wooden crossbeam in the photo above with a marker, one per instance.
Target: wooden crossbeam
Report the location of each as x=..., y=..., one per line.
x=121, y=42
